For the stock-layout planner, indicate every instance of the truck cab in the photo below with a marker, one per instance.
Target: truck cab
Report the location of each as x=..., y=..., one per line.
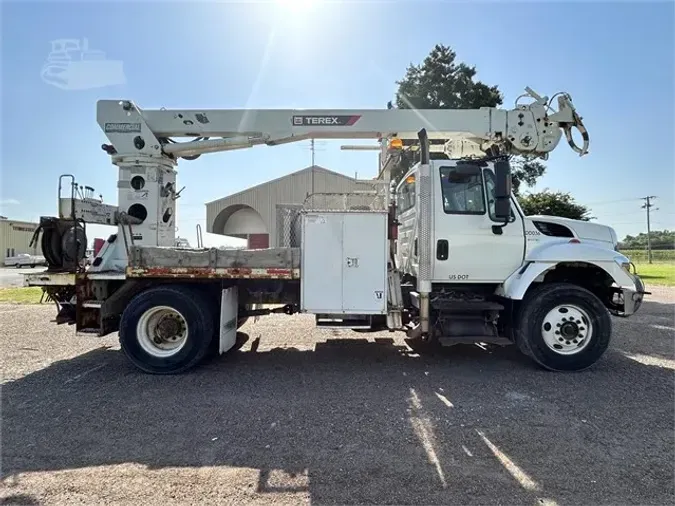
x=470, y=243
x=477, y=241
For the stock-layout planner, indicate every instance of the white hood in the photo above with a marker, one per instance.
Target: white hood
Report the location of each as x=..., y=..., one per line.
x=583, y=230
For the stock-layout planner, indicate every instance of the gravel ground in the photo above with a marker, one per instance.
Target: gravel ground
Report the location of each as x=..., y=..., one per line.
x=301, y=415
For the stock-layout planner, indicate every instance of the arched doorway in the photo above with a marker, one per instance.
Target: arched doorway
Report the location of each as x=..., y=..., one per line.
x=243, y=222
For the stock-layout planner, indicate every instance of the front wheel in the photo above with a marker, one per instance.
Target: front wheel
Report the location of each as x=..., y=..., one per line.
x=166, y=330
x=563, y=327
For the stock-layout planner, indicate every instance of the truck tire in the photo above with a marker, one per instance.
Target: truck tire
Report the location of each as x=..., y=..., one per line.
x=166, y=330
x=563, y=327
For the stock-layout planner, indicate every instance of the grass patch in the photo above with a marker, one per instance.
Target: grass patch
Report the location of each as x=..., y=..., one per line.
x=23, y=295
x=657, y=273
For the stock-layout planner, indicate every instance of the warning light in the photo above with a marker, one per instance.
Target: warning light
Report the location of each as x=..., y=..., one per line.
x=396, y=144
x=575, y=241
x=410, y=179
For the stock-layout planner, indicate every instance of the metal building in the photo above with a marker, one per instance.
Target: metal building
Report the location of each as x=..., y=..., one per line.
x=15, y=237
x=265, y=214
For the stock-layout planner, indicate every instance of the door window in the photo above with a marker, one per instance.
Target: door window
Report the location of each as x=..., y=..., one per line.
x=462, y=193
x=406, y=194
x=490, y=192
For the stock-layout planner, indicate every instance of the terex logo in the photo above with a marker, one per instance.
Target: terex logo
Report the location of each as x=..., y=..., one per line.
x=324, y=120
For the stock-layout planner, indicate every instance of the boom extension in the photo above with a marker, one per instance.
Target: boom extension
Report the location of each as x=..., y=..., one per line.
x=532, y=129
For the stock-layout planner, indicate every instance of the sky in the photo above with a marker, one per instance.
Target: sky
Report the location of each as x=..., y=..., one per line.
x=616, y=59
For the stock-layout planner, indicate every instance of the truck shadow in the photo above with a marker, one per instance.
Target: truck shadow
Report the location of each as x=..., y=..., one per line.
x=357, y=421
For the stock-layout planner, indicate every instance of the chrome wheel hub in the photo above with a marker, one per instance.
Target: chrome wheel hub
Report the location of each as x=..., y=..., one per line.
x=567, y=329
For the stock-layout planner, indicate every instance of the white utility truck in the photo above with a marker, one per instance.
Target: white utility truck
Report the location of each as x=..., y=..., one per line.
x=25, y=260
x=446, y=256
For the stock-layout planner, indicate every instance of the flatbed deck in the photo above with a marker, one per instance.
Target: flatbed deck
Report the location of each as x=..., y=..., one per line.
x=272, y=263
x=208, y=263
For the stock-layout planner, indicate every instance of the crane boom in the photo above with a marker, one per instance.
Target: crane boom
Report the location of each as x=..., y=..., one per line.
x=531, y=129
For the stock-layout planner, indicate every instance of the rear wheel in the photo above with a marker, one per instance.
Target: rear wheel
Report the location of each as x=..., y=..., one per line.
x=166, y=330
x=563, y=327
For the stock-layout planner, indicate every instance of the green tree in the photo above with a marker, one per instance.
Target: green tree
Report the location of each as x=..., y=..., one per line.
x=441, y=82
x=660, y=239
x=550, y=203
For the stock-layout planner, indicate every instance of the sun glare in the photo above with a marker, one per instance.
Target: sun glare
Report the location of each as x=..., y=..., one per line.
x=296, y=5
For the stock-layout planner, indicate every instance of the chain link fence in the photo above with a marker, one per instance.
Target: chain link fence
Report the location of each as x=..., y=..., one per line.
x=356, y=201
x=289, y=219
x=289, y=225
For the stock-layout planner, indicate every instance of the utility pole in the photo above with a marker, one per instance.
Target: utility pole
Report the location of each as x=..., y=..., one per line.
x=648, y=205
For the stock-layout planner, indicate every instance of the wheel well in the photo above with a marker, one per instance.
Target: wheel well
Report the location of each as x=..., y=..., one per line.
x=589, y=276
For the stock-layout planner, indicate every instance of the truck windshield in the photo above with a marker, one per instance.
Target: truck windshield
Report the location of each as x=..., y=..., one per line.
x=462, y=193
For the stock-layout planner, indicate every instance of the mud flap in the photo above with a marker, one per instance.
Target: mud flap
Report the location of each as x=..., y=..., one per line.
x=229, y=309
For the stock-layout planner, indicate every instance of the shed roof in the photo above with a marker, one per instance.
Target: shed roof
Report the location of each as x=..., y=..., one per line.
x=316, y=168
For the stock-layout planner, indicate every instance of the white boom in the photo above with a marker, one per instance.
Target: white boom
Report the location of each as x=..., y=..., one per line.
x=532, y=129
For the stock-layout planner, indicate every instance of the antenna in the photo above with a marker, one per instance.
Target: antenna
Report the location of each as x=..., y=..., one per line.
x=313, y=147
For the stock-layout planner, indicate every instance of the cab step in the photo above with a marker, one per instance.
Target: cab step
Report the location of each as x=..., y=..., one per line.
x=460, y=306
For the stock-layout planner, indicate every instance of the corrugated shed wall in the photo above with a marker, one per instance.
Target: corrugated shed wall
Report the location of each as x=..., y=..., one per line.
x=291, y=189
x=16, y=235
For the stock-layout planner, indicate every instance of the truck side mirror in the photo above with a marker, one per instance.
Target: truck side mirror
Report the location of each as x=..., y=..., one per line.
x=502, y=190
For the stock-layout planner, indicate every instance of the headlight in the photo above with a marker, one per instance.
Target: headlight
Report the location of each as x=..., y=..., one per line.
x=625, y=264
x=629, y=267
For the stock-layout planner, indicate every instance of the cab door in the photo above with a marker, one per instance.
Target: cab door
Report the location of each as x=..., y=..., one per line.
x=470, y=246
x=406, y=247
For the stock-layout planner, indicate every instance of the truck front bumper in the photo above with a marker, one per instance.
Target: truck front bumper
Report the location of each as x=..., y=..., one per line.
x=630, y=299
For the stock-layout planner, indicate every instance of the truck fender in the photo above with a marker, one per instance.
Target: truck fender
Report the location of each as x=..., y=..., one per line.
x=547, y=256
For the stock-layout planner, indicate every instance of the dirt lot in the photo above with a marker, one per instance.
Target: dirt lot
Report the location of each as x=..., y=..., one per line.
x=315, y=416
